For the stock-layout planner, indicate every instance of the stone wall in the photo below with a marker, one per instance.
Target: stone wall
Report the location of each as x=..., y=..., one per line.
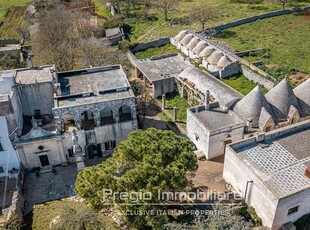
x=257, y=17
x=147, y=45
x=258, y=195
x=18, y=200
x=256, y=77
x=38, y=96
x=4, y=41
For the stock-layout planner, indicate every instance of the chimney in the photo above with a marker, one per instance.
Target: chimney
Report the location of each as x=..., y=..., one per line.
x=249, y=124
x=58, y=89
x=29, y=60
x=307, y=172
x=207, y=100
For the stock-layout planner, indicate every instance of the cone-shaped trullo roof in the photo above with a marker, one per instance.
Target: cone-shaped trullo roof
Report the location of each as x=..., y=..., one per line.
x=215, y=57
x=199, y=47
x=206, y=52
x=187, y=39
x=302, y=92
x=251, y=105
x=193, y=43
x=181, y=35
x=223, y=62
x=281, y=97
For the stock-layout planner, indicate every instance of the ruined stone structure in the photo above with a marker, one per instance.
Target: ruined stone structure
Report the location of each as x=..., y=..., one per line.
x=44, y=107
x=218, y=62
x=272, y=173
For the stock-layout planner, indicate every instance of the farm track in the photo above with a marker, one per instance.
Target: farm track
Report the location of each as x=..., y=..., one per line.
x=13, y=19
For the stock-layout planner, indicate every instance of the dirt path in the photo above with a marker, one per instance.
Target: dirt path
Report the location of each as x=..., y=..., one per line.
x=150, y=30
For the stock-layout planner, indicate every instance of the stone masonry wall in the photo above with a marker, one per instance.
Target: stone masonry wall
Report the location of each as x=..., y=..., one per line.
x=147, y=45
x=257, y=78
x=257, y=17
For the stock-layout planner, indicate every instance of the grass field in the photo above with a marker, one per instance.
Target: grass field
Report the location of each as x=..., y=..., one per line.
x=156, y=51
x=5, y=5
x=14, y=18
x=69, y=211
x=174, y=100
x=242, y=84
x=287, y=37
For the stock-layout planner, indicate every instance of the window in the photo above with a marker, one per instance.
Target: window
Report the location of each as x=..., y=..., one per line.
x=1, y=148
x=109, y=145
x=70, y=152
x=293, y=210
x=37, y=112
x=1, y=169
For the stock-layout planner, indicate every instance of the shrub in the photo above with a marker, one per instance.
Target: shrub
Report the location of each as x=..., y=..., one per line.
x=15, y=222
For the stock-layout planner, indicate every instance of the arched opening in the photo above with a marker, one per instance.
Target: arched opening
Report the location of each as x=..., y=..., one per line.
x=93, y=151
x=106, y=116
x=124, y=113
x=67, y=122
x=87, y=120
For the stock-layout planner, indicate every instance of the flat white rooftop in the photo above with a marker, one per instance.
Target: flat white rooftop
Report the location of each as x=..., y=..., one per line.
x=279, y=162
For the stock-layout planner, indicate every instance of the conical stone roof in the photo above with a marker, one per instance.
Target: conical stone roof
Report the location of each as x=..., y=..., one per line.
x=215, y=57
x=181, y=35
x=191, y=45
x=281, y=97
x=206, y=52
x=186, y=39
x=302, y=93
x=199, y=47
x=251, y=105
x=223, y=62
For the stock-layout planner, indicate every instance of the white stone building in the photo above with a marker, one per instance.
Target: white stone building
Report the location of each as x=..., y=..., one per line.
x=272, y=173
x=9, y=160
x=228, y=117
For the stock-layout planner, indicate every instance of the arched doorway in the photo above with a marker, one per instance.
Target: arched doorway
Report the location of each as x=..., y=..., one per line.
x=67, y=122
x=93, y=151
x=106, y=116
x=87, y=120
x=125, y=113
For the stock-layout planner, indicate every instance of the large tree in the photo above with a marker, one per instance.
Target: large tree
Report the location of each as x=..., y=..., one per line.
x=66, y=38
x=146, y=163
x=202, y=13
x=165, y=6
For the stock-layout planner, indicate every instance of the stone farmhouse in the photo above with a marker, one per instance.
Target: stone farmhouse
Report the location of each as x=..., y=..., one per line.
x=272, y=173
x=44, y=108
x=227, y=117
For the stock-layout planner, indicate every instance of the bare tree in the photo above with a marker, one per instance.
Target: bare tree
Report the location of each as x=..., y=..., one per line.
x=165, y=6
x=202, y=13
x=283, y=2
x=65, y=38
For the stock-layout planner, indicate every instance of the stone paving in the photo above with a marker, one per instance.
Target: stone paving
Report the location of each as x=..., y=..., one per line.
x=51, y=186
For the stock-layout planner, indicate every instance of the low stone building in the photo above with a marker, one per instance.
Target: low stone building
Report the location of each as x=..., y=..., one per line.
x=228, y=117
x=272, y=173
x=203, y=52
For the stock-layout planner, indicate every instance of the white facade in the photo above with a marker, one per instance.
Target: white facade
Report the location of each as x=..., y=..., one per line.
x=8, y=156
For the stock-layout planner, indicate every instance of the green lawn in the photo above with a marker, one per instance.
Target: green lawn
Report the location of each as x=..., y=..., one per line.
x=287, y=37
x=242, y=84
x=101, y=8
x=69, y=212
x=156, y=51
x=5, y=5
x=174, y=100
x=157, y=27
